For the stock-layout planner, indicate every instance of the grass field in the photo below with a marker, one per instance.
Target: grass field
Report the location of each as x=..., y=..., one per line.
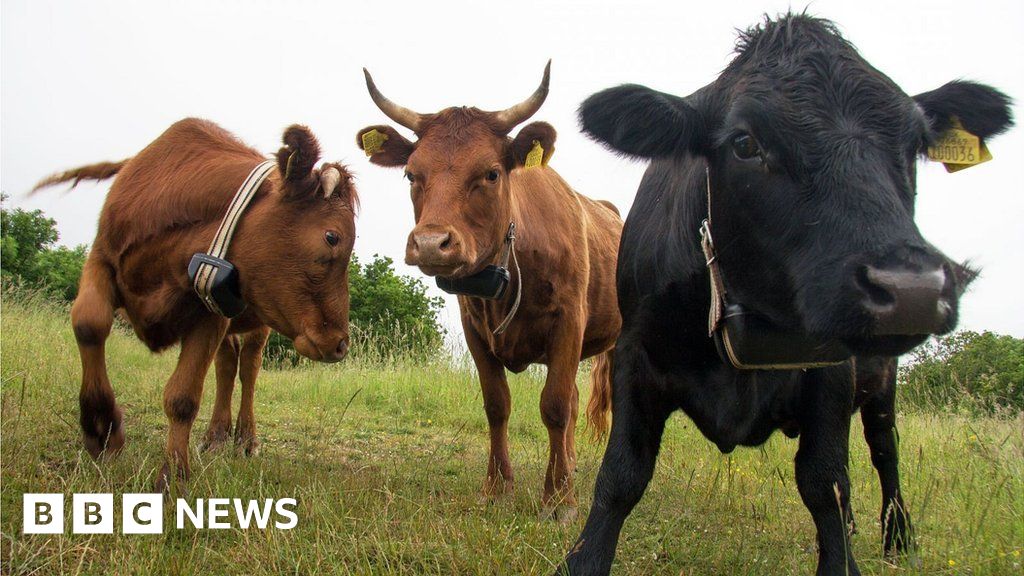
x=386, y=462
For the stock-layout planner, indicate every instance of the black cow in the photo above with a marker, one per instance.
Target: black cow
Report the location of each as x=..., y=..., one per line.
x=811, y=157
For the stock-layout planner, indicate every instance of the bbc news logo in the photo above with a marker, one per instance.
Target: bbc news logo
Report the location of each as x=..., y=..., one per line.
x=144, y=513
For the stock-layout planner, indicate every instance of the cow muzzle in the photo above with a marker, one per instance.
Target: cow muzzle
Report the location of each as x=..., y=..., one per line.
x=901, y=301
x=437, y=252
x=327, y=347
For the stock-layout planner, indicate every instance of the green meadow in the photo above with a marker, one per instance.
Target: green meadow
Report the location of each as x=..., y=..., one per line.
x=386, y=458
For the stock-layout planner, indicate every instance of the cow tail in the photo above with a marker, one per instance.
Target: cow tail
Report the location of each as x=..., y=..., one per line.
x=99, y=171
x=600, y=404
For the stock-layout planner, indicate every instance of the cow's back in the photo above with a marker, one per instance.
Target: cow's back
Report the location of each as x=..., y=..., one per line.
x=186, y=176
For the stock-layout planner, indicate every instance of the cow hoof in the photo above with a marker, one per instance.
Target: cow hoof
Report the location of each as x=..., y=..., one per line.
x=250, y=445
x=109, y=438
x=215, y=438
x=564, y=514
x=489, y=498
x=163, y=482
x=496, y=490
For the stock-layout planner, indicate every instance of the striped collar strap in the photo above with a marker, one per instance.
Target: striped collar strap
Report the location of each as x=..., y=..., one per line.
x=203, y=282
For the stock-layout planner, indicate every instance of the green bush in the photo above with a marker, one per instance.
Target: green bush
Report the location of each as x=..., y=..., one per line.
x=29, y=254
x=392, y=317
x=966, y=372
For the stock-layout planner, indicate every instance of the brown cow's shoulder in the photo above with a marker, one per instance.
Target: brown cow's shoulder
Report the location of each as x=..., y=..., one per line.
x=164, y=206
x=566, y=246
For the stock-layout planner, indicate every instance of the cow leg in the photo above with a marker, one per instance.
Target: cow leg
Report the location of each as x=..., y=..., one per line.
x=250, y=361
x=183, y=392
x=497, y=406
x=821, y=465
x=92, y=317
x=638, y=420
x=226, y=368
x=556, y=411
x=570, y=438
x=879, y=417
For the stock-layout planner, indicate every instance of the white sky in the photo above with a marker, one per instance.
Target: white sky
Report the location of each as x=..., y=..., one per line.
x=83, y=82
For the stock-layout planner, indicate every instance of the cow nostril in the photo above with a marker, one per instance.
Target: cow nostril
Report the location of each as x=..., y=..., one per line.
x=342, y=349
x=903, y=300
x=877, y=293
x=447, y=242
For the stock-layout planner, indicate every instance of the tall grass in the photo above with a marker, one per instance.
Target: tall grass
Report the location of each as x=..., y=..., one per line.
x=380, y=344
x=386, y=459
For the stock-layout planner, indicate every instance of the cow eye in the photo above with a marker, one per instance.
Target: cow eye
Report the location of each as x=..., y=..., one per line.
x=332, y=238
x=745, y=147
x=492, y=175
x=410, y=177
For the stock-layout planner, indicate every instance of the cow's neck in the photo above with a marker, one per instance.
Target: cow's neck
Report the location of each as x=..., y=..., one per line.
x=672, y=284
x=495, y=311
x=528, y=233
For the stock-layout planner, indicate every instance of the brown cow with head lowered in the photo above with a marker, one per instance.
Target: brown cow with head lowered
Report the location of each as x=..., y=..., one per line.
x=470, y=182
x=291, y=249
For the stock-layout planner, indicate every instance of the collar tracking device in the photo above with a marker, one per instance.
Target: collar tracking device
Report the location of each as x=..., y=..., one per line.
x=747, y=340
x=491, y=282
x=213, y=278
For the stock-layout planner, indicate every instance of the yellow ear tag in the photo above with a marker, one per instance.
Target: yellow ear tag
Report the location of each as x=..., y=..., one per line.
x=373, y=141
x=957, y=148
x=535, y=157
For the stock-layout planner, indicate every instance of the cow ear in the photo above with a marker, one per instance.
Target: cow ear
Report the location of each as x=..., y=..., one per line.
x=296, y=159
x=384, y=145
x=534, y=134
x=636, y=121
x=981, y=110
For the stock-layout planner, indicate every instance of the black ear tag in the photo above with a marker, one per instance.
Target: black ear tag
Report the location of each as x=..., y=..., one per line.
x=489, y=283
x=220, y=292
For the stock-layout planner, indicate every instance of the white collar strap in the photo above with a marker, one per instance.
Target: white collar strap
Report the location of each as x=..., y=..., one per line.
x=204, y=278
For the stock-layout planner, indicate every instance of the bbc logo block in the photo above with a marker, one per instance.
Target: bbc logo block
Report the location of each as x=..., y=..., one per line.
x=93, y=513
x=142, y=514
x=43, y=513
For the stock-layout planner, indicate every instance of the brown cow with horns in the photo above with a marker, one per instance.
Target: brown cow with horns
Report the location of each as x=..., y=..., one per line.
x=472, y=186
x=291, y=249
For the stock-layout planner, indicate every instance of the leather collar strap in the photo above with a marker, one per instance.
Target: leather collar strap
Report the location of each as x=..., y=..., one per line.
x=711, y=259
x=510, y=251
x=750, y=343
x=204, y=277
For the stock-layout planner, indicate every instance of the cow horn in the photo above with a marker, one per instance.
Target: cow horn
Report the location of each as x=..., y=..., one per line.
x=512, y=117
x=405, y=117
x=329, y=179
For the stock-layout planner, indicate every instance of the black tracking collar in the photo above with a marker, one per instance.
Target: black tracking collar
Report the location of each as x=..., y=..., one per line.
x=491, y=282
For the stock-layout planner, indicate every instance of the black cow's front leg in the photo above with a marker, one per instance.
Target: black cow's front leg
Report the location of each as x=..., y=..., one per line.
x=821, y=464
x=638, y=421
x=879, y=417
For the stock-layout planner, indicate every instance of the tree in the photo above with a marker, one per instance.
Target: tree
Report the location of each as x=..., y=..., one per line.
x=60, y=269
x=391, y=315
x=28, y=251
x=981, y=373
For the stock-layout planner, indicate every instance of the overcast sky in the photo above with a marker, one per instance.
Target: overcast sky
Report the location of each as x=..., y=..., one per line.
x=90, y=81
